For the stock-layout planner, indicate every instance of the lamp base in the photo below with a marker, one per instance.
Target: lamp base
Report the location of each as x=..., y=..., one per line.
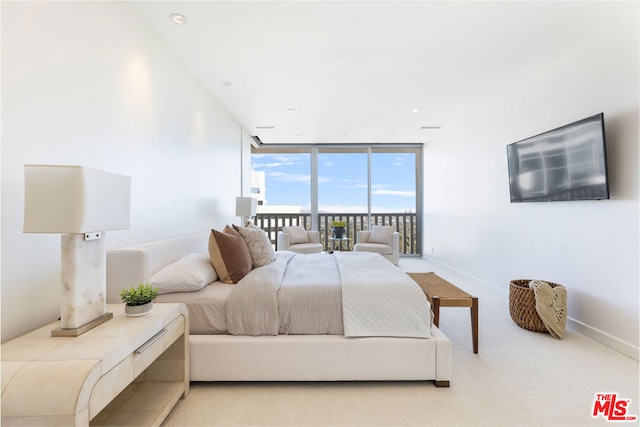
x=74, y=332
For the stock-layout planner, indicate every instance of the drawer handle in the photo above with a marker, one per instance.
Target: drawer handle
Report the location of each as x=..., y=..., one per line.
x=151, y=340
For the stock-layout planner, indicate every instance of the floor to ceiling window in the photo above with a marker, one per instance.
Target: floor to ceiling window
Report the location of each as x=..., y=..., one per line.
x=395, y=192
x=342, y=180
x=361, y=184
x=281, y=181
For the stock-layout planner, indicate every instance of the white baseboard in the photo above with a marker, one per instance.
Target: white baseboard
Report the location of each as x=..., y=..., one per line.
x=604, y=338
x=595, y=334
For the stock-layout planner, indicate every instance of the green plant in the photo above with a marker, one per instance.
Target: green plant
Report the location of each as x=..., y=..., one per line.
x=338, y=224
x=139, y=295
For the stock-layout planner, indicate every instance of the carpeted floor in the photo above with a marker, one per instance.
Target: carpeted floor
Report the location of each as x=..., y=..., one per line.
x=518, y=377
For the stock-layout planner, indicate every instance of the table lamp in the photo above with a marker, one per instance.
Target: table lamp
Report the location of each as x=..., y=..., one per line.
x=246, y=208
x=80, y=204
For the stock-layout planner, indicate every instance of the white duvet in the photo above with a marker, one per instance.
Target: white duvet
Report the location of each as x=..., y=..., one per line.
x=352, y=293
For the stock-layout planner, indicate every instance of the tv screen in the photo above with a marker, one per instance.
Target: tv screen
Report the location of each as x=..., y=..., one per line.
x=567, y=163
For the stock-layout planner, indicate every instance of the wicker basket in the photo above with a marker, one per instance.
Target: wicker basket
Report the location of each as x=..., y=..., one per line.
x=522, y=306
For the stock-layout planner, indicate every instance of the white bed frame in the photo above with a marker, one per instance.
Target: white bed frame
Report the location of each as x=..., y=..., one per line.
x=282, y=357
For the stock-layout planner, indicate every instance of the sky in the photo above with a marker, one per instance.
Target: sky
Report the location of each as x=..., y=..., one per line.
x=342, y=181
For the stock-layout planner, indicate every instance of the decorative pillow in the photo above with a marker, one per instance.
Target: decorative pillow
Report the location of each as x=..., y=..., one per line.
x=297, y=234
x=380, y=234
x=262, y=253
x=229, y=255
x=190, y=273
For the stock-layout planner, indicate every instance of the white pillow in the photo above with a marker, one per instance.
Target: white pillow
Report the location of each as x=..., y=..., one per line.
x=262, y=253
x=380, y=234
x=190, y=273
x=297, y=234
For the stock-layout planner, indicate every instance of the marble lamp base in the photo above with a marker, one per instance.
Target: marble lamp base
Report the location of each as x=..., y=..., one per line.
x=84, y=284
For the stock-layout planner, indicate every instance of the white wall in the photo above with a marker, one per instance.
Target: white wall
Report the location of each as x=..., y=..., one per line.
x=591, y=247
x=86, y=83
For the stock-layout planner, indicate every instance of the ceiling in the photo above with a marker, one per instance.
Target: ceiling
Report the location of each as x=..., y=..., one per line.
x=367, y=71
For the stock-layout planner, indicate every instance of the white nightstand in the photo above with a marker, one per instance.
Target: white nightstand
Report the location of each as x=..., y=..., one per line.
x=127, y=371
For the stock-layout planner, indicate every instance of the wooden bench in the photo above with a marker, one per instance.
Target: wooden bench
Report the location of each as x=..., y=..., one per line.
x=442, y=293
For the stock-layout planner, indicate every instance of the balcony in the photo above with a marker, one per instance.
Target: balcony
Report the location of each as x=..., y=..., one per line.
x=404, y=223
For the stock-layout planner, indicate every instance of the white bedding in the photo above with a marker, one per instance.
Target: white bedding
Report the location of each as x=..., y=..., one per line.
x=360, y=295
x=207, y=307
x=310, y=297
x=378, y=300
x=252, y=308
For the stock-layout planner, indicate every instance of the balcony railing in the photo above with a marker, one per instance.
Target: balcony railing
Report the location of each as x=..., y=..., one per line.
x=404, y=223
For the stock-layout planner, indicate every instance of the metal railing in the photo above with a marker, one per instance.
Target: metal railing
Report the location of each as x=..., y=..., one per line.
x=404, y=223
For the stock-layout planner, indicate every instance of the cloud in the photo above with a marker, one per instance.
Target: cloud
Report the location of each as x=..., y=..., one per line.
x=273, y=165
x=290, y=177
x=394, y=193
x=276, y=161
x=296, y=177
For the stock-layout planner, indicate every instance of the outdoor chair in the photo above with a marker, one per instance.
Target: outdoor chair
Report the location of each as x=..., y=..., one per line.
x=298, y=239
x=380, y=239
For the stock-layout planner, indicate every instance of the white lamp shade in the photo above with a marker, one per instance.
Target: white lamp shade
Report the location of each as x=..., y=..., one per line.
x=74, y=200
x=246, y=206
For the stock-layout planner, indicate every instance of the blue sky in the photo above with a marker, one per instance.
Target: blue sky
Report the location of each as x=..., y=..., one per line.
x=342, y=181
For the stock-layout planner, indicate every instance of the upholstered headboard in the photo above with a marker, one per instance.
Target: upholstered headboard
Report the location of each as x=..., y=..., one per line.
x=131, y=265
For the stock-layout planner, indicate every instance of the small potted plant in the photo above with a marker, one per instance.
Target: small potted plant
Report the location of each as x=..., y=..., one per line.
x=138, y=300
x=338, y=228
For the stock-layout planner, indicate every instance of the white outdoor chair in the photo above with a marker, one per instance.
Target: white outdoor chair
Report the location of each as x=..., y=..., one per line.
x=380, y=239
x=297, y=239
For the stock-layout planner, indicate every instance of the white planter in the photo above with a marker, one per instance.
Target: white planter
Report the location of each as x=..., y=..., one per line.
x=138, y=310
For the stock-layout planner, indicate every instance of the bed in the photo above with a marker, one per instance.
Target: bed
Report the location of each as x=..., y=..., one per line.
x=331, y=352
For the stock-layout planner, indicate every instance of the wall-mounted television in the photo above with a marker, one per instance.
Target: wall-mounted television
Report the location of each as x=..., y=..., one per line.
x=567, y=163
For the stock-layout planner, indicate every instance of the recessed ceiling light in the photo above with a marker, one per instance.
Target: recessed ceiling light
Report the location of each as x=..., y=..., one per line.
x=265, y=127
x=291, y=110
x=415, y=110
x=225, y=83
x=178, y=18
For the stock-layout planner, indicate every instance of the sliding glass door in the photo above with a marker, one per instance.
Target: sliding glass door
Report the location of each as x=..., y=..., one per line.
x=363, y=185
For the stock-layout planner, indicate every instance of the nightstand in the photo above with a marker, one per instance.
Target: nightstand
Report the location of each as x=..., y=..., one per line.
x=127, y=371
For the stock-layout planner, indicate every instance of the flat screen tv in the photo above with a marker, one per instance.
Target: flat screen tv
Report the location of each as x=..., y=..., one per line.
x=567, y=163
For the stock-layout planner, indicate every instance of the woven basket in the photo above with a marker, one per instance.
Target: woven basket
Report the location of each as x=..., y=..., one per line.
x=522, y=305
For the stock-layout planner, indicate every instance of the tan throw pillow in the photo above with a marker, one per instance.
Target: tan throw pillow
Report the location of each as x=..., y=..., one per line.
x=229, y=255
x=380, y=234
x=297, y=234
x=260, y=248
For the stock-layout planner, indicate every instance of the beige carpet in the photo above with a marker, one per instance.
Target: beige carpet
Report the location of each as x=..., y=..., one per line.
x=519, y=378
